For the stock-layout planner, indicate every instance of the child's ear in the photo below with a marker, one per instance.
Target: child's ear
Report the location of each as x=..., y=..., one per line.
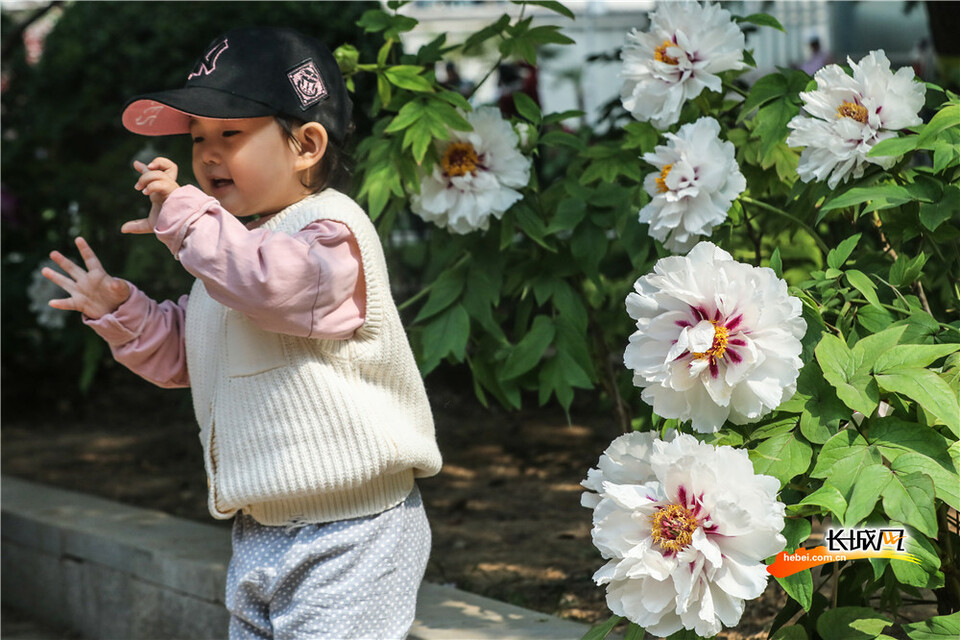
x=313, y=144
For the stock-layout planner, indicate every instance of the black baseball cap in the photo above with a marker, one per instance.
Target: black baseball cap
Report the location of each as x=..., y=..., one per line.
x=247, y=73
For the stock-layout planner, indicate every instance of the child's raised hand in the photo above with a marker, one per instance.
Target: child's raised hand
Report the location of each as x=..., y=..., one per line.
x=158, y=180
x=93, y=291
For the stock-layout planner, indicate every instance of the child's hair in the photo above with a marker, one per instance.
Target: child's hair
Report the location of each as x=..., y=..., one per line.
x=333, y=170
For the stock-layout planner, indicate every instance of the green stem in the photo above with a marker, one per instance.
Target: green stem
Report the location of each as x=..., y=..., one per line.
x=496, y=65
x=427, y=289
x=800, y=223
x=732, y=87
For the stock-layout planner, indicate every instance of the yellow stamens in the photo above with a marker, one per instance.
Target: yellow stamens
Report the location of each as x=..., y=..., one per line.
x=852, y=110
x=719, y=346
x=673, y=527
x=662, y=180
x=460, y=159
x=660, y=53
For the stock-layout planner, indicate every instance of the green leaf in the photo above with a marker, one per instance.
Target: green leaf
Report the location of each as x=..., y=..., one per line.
x=894, y=146
x=552, y=5
x=927, y=389
x=589, y=246
x=866, y=491
x=569, y=213
x=601, y=631
x=843, y=458
x=560, y=116
x=946, y=482
x=408, y=115
x=530, y=349
x=767, y=88
x=484, y=34
x=855, y=388
x=776, y=263
x=939, y=628
x=867, y=350
x=889, y=195
x=783, y=457
x=851, y=623
x=946, y=118
x=793, y=632
x=446, y=289
x=908, y=498
x=932, y=215
x=838, y=256
x=827, y=497
x=526, y=107
x=796, y=530
x=925, y=575
x=799, y=586
x=772, y=122
x=562, y=139
x=864, y=285
x=912, y=355
x=761, y=19
x=446, y=335
x=895, y=437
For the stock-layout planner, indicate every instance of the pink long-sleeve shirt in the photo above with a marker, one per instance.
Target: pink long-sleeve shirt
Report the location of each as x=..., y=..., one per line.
x=308, y=284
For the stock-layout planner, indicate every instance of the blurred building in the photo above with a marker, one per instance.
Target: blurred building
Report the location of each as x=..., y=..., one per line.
x=566, y=81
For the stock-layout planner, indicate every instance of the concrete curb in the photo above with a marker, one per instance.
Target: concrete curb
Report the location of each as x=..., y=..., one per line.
x=112, y=571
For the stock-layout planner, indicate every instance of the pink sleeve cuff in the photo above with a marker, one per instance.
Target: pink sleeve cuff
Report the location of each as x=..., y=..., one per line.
x=125, y=323
x=179, y=211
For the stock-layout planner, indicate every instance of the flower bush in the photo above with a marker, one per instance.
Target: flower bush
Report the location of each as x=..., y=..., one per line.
x=792, y=250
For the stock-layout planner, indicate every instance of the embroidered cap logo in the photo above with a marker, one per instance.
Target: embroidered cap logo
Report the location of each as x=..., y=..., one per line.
x=207, y=65
x=308, y=84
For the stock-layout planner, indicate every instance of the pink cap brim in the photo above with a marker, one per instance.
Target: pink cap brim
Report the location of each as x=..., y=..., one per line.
x=151, y=118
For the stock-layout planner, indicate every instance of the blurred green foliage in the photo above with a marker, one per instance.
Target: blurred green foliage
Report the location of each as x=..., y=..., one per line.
x=67, y=159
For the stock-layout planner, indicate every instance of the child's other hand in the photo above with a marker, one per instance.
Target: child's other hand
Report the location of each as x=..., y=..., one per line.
x=158, y=180
x=93, y=292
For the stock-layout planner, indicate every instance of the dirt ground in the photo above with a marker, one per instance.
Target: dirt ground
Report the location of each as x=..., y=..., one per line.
x=505, y=511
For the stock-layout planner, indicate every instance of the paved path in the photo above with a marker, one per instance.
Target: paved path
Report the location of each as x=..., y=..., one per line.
x=17, y=626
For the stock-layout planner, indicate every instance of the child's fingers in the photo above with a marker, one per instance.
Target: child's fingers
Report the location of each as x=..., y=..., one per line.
x=139, y=166
x=66, y=304
x=152, y=178
x=59, y=279
x=68, y=265
x=137, y=226
x=90, y=259
x=166, y=165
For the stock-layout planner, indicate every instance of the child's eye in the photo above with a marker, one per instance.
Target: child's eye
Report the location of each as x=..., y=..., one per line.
x=228, y=134
x=197, y=139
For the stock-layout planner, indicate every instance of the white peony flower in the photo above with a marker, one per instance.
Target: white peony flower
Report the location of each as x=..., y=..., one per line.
x=40, y=292
x=716, y=339
x=477, y=176
x=848, y=115
x=685, y=527
x=686, y=47
x=698, y=179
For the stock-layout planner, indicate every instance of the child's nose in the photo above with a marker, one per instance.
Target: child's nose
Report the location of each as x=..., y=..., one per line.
x=209, y=154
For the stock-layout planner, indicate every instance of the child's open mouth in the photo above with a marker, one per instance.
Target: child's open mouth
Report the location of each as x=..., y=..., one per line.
x=219, y=183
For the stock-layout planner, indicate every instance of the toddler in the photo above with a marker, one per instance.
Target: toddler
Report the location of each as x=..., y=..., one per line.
x=313, y=416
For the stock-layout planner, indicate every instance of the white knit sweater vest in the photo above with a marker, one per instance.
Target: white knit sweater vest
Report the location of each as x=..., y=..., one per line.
x=300, y=430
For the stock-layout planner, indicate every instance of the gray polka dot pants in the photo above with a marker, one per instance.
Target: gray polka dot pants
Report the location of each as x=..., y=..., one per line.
x=347, y=580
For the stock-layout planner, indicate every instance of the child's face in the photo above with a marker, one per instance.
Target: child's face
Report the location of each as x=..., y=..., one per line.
x=247, y=164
